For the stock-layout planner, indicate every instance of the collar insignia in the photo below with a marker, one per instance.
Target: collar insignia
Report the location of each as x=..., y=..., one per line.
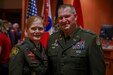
x=55, y=44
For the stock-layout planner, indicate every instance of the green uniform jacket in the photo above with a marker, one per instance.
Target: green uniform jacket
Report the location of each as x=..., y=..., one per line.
x=80, y=55
x=27, y=59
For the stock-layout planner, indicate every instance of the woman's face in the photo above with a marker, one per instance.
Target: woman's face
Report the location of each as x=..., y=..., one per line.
x=35, y=31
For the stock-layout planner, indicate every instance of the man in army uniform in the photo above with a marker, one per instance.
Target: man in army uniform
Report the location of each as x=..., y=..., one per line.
x=73, y=50
x=29, y=58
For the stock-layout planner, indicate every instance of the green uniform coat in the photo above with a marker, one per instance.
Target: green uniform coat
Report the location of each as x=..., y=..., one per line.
x=80, y=54
x=27, y=59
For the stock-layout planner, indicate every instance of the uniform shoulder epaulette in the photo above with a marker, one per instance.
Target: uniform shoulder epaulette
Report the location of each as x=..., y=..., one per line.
x=54, y=34
x=89, y=32
x=23, y=47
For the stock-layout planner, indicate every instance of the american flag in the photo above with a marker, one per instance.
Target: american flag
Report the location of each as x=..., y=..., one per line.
x=32, y=8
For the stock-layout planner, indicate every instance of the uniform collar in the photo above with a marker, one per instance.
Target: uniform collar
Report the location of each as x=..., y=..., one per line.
x=30, y=42
x=72, y=34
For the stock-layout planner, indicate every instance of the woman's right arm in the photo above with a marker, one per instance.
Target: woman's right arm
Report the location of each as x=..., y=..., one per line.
x=0, y=49
x=16, y=62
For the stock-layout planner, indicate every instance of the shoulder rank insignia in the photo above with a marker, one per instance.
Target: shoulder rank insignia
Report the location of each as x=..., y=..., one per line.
x=15, y=51
x=98, y=42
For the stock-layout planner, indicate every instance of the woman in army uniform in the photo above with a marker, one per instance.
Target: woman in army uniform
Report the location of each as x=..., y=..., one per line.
x=29, y=57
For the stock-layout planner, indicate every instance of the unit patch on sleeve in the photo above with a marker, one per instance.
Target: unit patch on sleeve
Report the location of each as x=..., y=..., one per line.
x=15, y=51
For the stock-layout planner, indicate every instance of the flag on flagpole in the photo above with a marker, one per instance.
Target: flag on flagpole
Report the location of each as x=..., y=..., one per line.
x=44, y=39
x=32, y=8
x=59, y=2
x=31, y=11
x=77, y=6
x=46, y=15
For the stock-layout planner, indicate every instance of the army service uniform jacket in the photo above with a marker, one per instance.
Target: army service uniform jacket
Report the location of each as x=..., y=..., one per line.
x=27, y=59
x=80, y=55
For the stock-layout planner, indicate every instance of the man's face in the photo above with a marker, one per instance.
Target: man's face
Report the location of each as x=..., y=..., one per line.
x=66, y=19
x=35, y=31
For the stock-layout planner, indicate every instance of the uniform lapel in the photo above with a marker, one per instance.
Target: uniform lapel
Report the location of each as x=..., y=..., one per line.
x=73, y=40
x=33, y=48
x=37, y=53
x=61, y=42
